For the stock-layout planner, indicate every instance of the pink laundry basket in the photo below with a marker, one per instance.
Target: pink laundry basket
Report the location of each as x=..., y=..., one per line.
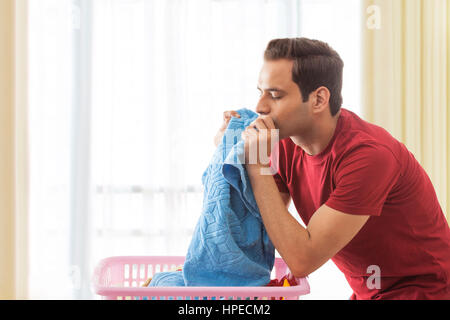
x=122, y=277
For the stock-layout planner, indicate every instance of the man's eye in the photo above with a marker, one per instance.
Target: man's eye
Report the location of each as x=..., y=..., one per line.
x=273, y=98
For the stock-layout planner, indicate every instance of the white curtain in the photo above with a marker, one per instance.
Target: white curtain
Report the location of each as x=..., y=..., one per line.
x=125, y=99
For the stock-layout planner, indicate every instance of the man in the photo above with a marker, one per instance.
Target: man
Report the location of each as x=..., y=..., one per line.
x=367, y=203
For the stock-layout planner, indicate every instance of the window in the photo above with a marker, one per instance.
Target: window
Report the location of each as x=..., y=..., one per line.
x=125, y=98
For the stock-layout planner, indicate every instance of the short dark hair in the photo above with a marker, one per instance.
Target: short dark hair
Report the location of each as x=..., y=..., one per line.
x=316, y=64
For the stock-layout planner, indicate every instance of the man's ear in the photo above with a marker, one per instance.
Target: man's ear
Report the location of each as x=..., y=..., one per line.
x=321, y=99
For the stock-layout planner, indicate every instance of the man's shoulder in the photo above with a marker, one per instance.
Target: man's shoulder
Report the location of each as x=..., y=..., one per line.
x=359, y=136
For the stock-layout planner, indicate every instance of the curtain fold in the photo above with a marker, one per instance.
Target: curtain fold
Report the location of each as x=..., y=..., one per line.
x=7, y=195
x=13, y=150
x=405, y=80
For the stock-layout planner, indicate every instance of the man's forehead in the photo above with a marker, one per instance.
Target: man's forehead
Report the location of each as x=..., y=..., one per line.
x=276, y=75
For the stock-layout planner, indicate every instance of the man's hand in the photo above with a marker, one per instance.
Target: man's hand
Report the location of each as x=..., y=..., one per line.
x=226, y=119
x=260, y=137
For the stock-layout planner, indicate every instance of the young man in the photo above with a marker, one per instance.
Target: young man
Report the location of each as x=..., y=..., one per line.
x=367, y=203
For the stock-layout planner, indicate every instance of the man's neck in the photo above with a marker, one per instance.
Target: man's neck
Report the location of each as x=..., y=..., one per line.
x=319, y=137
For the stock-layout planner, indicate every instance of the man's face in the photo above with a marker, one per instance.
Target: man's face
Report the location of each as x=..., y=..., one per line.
x=281, y=99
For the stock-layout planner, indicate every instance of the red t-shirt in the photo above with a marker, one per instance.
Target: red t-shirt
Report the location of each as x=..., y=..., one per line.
x=365, y=171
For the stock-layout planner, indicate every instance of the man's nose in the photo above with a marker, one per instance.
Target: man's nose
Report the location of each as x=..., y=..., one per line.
x=262, y=108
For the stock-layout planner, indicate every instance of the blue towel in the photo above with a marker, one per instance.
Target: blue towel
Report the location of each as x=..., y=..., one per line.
x=230, y=246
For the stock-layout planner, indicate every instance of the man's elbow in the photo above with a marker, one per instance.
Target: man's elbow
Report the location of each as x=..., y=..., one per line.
x=305, y=267
x=304, y=263
x=300, y=271
x=299, y=268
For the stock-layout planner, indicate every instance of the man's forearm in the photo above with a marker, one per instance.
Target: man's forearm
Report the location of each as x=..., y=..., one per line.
x=288, y=236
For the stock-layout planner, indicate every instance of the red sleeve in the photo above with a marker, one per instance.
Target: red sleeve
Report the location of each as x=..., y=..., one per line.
x=363, y=180
x=280, y=183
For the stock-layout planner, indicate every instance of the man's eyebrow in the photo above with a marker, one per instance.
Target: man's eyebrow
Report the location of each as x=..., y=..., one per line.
x=271, y=89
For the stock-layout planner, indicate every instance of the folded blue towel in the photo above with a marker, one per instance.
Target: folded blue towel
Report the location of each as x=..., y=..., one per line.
x=230, y=246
